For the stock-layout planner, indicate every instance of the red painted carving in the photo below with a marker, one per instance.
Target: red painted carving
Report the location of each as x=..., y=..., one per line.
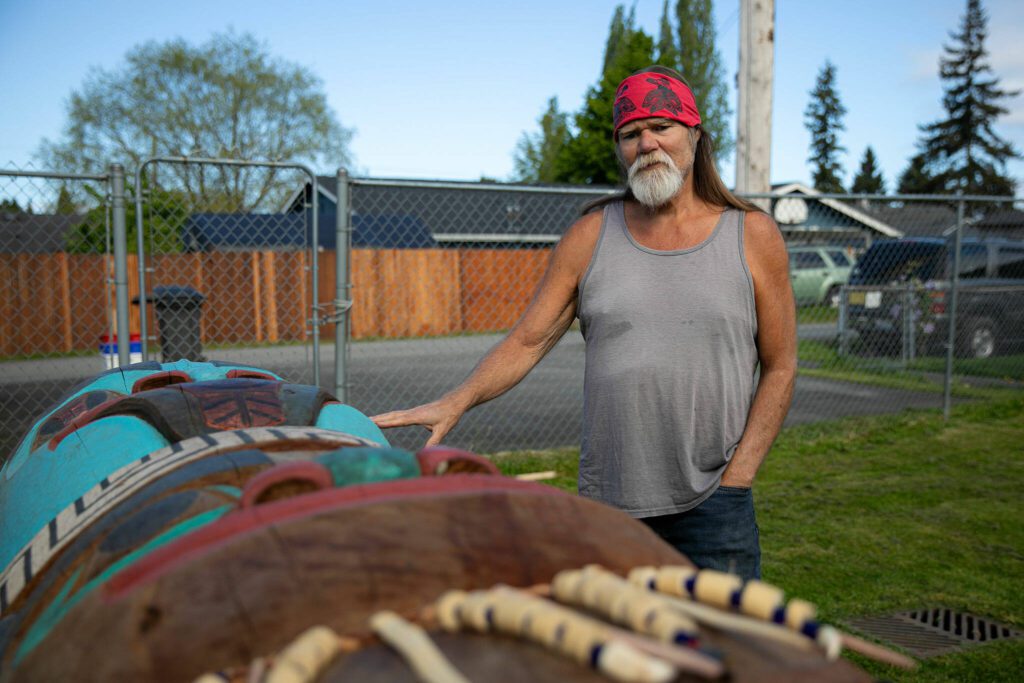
x=238, y=404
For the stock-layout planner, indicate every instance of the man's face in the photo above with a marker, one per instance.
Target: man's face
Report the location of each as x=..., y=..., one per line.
x=658, y=155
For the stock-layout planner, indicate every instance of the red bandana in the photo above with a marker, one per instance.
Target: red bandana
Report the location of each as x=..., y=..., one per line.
x=649, y=94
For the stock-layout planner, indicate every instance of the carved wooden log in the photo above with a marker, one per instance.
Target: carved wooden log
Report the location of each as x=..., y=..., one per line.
x=220, y=547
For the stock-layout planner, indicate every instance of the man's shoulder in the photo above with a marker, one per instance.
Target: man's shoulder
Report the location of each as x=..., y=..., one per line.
x=763, y=240
x=759, y=222
x=588, y=226
x=577, y=244
x=759, y=228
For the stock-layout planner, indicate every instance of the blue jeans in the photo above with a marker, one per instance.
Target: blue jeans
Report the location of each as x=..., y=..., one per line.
x=720, y=533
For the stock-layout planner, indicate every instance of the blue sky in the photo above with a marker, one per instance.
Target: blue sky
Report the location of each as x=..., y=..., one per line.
x=444, y=90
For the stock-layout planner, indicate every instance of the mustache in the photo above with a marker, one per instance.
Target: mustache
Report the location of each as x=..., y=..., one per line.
x=650, y=159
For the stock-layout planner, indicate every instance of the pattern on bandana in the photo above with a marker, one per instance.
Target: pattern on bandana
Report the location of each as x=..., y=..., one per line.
x=623, y=105
x=662, y=97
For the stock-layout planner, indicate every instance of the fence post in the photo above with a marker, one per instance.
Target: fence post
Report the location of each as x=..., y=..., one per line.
x=911, y=321
x=843, y=313
x=140, y=251
x=342, y=302
x=904, y=314
x=947, y=389
x=315, y=276
x=120, y=264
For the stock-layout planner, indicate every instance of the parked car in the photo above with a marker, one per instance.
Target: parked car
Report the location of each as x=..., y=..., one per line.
x=901, y=287
x=818, y=273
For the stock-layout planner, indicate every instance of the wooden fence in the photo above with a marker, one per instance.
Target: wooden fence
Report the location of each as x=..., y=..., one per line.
x=63, y=302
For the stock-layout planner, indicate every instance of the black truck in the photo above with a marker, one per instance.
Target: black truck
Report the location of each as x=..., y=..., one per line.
x=899, y=296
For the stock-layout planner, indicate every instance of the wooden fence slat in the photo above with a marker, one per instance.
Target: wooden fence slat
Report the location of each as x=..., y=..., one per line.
x=8, y=280
x=257, y=296
x=364, y=315
x=270, y=294
x=65, y=296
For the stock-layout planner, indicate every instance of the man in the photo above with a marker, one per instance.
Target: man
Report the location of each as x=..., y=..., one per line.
x=682, y=290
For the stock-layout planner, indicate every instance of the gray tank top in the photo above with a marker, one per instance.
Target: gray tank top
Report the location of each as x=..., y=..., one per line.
x=671, y=356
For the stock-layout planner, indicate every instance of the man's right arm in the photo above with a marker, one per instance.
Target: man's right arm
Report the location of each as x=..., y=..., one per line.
x=546, y=319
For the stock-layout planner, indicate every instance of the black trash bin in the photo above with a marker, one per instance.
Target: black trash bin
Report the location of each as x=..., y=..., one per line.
x=178, y=313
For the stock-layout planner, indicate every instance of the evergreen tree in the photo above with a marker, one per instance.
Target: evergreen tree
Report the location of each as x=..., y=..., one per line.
x=869, y=179
x=10, y=206
x=589, y=157
x=65, y=205
x=701, y=64
x=536, y=155
x=616, y=32
x=824, y=119
x=668, y=53
x=915, y=178
x=963, y=151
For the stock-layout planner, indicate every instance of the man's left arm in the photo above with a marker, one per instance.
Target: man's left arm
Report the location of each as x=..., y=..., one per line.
x=776, y=347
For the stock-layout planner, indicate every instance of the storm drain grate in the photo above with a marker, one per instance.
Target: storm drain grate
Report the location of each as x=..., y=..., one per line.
x=931, y=632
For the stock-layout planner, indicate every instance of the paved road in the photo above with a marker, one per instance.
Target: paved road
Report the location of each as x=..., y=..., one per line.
x=543, y=411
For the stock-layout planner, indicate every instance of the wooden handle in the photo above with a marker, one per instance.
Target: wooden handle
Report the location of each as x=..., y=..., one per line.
x=305, y=658
x=537, y=476
x=876, y=652
x=415, y=646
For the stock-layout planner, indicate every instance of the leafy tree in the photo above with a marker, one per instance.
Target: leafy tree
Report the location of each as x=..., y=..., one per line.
x=694, y=55
x=165, y=214
x=963, y=152
x=224, y=98
x=869, y=179
x=589, y=157
x=536, y=155
x=824, y=119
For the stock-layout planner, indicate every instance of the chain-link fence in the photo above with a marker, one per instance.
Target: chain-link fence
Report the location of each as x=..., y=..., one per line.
x=448, y=267
x=909, y=302
x=438, y=271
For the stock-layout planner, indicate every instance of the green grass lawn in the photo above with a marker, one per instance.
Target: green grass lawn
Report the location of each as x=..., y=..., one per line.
x=821, y=359
x=817, y=313
x=868, y=516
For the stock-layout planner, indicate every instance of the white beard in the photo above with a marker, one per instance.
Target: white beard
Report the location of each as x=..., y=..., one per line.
x=655, y=187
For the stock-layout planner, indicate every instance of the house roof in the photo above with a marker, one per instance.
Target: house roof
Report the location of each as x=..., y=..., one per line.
x=227, y=231
x=34, y=233
x=841, y=207
x=481, y=212
x=916, y=219
x=465, y=212
x=1006, y=218
x=291, y=231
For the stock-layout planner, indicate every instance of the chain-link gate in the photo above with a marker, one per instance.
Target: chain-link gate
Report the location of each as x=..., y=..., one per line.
x=229, y=263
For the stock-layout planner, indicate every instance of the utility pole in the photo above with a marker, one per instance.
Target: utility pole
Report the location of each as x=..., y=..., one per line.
x=754, y=118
